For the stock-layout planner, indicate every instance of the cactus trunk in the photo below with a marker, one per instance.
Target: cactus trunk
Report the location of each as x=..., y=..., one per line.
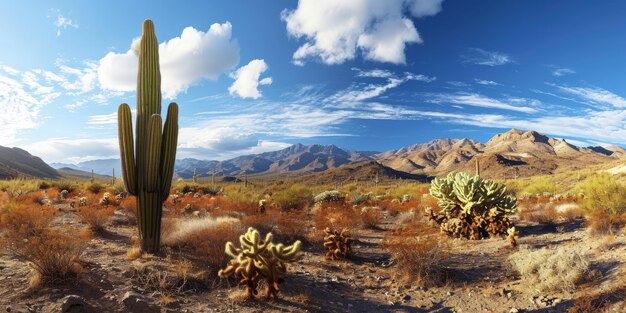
x=148, y=161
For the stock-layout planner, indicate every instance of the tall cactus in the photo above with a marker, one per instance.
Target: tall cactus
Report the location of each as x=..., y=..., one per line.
x=147, y=168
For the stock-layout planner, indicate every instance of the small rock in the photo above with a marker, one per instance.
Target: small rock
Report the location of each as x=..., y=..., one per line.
x=556, y=301
x=137, y=303
x=8, y=308
x=513, y=310
x=406, y=298
x=449, y=293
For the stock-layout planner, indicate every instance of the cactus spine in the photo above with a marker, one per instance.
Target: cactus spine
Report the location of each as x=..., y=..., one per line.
x=148, y=166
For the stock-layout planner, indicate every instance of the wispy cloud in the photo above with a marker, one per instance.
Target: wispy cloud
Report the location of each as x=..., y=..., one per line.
x=483, y=57
x=477, y=100
x=360, y=92
x=61, y=22
x=486, y=82
x=596, y=95
x=558, y=72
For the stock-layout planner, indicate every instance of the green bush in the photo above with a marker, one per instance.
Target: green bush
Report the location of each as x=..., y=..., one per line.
x=540, y=185
x=329, y=196
x=95, y=188
x=358, y=199
x=65, y=185
x=294, y=197
x=603, y=192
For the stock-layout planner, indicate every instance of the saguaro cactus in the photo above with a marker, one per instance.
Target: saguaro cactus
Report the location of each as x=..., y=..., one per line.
x=147, y=168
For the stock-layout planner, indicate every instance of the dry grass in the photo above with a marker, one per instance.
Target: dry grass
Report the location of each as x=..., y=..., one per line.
x=96, y=217
x=22, y=220
x=133, y=253
x=204, y=238
x=419, y=251
x=551, y=269
x=371, y=217
x=295, y=197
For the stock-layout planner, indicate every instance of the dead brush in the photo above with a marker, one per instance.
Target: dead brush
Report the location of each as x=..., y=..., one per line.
x=96, y=216
x=291, y=226
x=338, y=244
x=371, y=217
x=601, y=222
x=22, y=221
x=54, y=255
x=419, y=251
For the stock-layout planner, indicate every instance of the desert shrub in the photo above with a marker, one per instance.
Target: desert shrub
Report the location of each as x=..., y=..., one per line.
x=371, y=217
x=329, y=196
x=603, y=192
x=266, y=223
x=118, y=187
x=293, y=197
x=411, y=189
x=43, y=185
x=211, y=190
x=22, y=220
x=17, y=187
x=540, y=185
x=360, y=198
x=471, y=207
x=336, y=217
x=65, y=185
x=259, y=259
x=96, y=217
x=602, y=223
x=95, y=188
x=419, y=252
x=291, y=226
x=550, y=269
x=540, y=213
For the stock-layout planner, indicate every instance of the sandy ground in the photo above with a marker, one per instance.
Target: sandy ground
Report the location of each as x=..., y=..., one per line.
x=481, y=279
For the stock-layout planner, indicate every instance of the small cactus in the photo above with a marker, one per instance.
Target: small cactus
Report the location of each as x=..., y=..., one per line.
x=258, y=259
x=337, y=243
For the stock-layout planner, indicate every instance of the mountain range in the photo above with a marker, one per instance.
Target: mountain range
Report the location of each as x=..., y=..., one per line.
x=514, y=153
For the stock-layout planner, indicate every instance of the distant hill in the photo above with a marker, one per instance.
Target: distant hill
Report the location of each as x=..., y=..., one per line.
x=100, y=166
x=507, y=155
x=70, y=173
x=365, y=171
x=15, y=162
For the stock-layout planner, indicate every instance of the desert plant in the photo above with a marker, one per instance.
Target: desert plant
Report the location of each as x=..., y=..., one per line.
x=95, y=188
x=294, y=197
x=358, y=199
x=96, y=216
x=148, y=166
x=258, y=259
x=603, y=192
x=548, y=269
x=419, y=252
x=329, y=196
x=337, y=243
x=471, y=207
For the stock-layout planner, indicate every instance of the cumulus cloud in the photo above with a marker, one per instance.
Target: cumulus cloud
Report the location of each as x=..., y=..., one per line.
x=335, y=30
x=482, y=57
x=246, y=84
x=185, y=60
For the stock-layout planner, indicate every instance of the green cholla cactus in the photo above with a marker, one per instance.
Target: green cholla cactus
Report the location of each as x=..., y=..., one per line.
x=329, y=196
x=258, y=259
x=194, y=177
x=148, y=166
x=471, y=207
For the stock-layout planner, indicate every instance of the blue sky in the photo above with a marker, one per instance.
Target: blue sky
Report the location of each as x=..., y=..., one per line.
x=254, y=76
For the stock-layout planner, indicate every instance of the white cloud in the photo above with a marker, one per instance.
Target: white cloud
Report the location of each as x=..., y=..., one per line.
x=74, y=150
x=246, y=84
x=478, y=100
x=185, y=61
x=62, y=22
x=482, y=57
x=335, y=30
x=103, y=119
x=360, y=92
x=21, y=103
x=486, y=82
x=596, y=95
x=558, y=72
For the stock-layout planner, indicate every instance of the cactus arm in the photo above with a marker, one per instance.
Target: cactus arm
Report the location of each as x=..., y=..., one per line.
x=125, y=133
x=168, y=151
x=153, y=154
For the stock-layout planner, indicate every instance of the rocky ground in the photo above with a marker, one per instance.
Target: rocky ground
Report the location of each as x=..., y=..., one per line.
x=480, y=279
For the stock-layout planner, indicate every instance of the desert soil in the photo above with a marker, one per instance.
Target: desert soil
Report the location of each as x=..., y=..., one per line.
x=480, y=278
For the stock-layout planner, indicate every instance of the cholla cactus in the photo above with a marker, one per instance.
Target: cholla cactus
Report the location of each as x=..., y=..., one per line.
x=175, y=198
x=258, y=259
x=512, y=233
x=62, y=195
x=338, y=243
x=106, y=199
x=405, y=198
x=329, y=196
x=82, y=201
x=471, y=207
